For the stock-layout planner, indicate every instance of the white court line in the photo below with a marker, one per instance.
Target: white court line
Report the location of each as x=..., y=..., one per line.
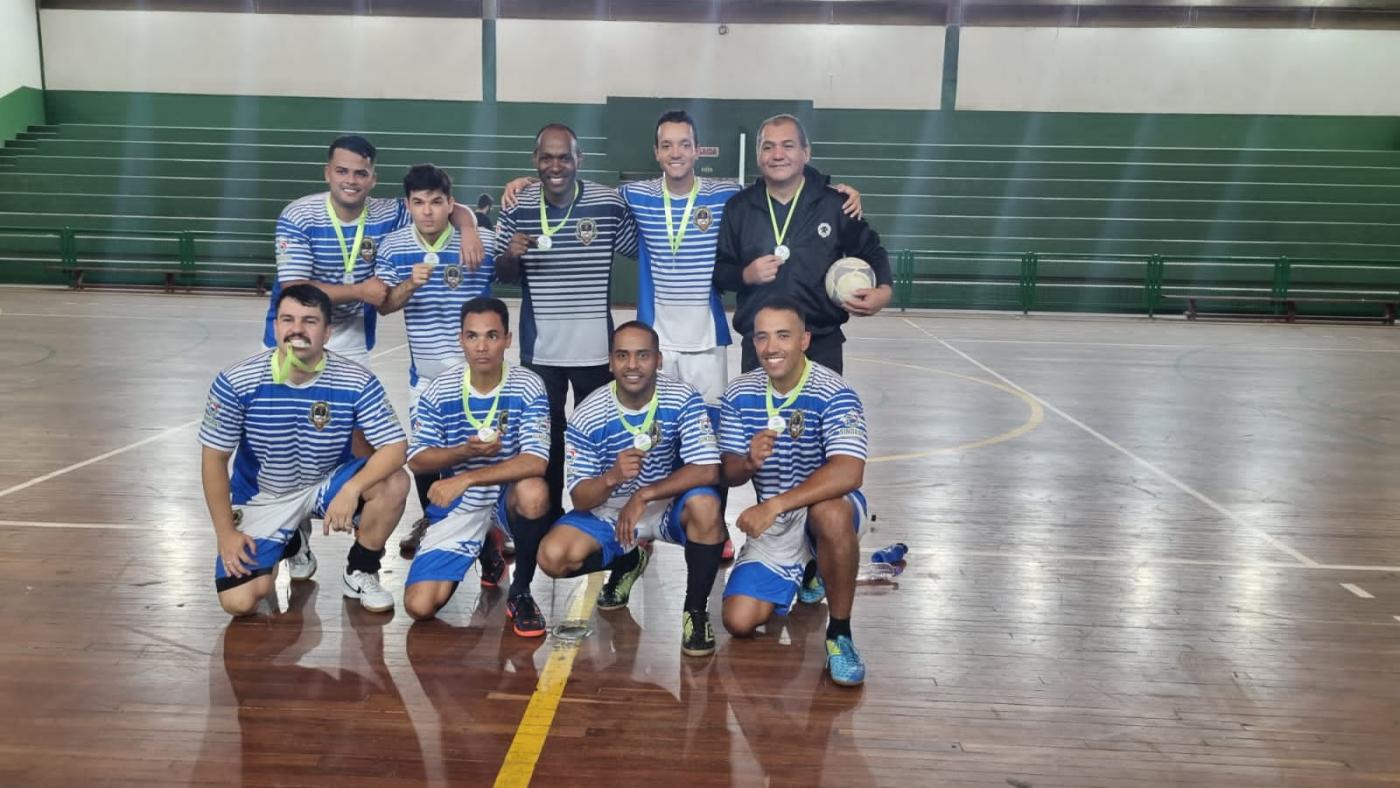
x=1175, y=482
x=130, y=446
x=1130, y=560
x=1358, y=590
x=97, y=526
x=1155, y=346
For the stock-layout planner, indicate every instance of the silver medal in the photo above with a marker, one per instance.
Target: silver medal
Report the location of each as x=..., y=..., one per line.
x=486, y=435
x=430, y=258
x=544, y=243
x=777, y=423
x=349, y=277
x=641, y=442
x=782, y=252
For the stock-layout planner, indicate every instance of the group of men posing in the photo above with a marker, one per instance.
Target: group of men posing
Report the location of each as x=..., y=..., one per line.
x=642, y=456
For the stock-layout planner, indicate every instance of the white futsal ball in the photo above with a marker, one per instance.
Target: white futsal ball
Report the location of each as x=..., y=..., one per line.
x=847, y=275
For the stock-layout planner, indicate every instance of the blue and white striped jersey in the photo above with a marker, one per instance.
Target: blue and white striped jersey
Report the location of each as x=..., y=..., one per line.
x=832, y=422
x=677, y=296
x=681, y=434
x=307, y=248
x=521, y=423
x=565, y=316
x=287, y=437
x=432, y=314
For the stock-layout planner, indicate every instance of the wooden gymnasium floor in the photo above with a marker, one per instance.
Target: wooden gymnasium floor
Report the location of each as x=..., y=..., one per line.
x=1143, y=553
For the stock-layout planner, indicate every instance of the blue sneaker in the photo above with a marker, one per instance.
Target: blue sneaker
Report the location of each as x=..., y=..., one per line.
x=812, y=592
x=844, y=662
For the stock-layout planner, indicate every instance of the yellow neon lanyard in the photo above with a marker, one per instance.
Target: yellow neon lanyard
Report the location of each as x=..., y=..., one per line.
x=792, y=396
x=349, y=255
x=544, y=220
x=282, y=372
x=792, y=208
x=676, y=237
x=646, y=422
x=495, y=403
x=435, y=246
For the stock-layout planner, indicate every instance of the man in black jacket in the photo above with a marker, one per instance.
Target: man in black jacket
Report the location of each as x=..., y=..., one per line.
x=781, y=234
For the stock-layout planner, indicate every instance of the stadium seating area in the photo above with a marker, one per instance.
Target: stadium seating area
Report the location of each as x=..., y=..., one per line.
x=993, y=220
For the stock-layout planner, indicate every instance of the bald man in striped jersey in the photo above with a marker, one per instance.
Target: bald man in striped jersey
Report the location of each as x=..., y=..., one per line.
x=558, y=240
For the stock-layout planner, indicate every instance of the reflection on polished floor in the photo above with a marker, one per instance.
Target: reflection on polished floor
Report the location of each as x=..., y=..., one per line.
x=1142, y=553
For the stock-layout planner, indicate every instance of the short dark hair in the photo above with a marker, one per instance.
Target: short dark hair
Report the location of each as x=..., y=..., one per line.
x=353, y=143
x=426, y=178
x=484, y=202
x=784, y=118
x=306, y=295
x=555, y=126
x=483, y=304
x=677, y=116
x=785, y=304
x=638, y=325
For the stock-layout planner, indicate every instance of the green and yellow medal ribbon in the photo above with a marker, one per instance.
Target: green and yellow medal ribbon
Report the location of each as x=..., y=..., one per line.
x=351, y=254
x=495, y=403
x=544, y=219
x=435, y=246
x=792, y=395
x=673, y=236
x=646, y=421
x=779, y=235
x=281, y=372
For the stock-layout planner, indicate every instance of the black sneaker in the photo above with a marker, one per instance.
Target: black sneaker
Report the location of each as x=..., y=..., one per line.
x=491, y=565
x=697, y=636
x=618, y=589
x=526, y=618
x=408, y=546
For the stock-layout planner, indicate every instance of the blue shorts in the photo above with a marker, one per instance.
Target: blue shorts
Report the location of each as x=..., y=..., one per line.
x=769, y=568
x=454, y=540
x=271, y=523
x=661, y=520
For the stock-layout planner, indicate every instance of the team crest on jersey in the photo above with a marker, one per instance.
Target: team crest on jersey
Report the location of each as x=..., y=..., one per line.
x=587, y=231
x=452, y=275
x=823, y=229
x=320, y=414
x=655, y=433
x=367, y=247
x=795, y=424
x=501, y=423
x=703, y=218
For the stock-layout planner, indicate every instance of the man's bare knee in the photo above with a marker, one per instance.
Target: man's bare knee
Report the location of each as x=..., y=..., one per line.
x=702, y=519
x=531, y=498
x=831, y=519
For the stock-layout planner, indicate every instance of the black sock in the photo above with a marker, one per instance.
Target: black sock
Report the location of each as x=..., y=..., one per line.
x=528, y=534
x=593, y=563
x=701, y=567
x=362, y=559
x=836, y=627
x=625, y=562
x=422, y=481
x=809, y=572
x=293, y=545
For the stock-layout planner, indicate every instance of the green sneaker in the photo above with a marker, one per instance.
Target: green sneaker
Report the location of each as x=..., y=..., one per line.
x=844, y=662
x=812, y=591
x=697, y=636
x=618, y=589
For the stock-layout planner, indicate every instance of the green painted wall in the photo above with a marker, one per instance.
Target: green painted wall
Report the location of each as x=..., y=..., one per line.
x=20, y=109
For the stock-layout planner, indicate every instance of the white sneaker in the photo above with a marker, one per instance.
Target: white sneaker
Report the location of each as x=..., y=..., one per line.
x=366, y=588
x=303, y=565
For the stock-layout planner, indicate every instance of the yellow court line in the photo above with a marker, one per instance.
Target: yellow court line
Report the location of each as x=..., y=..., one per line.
x=1037, y=413
x=525, y=748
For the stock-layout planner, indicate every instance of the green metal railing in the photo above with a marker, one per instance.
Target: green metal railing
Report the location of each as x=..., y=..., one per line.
x=1022, y=281
x=1138, y=283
